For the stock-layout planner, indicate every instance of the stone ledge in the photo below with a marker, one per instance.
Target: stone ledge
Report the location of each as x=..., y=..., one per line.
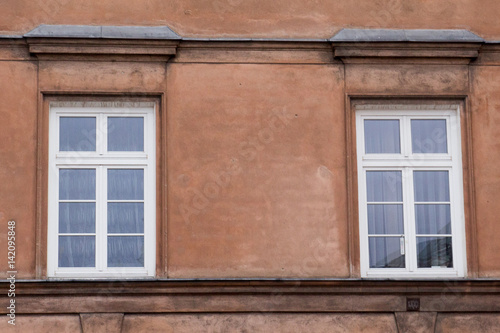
x=160, y=296
x=406, y=46
x=102, y=49
x=407, y=35
x=104, y=32
x=83, y=42
x=406, y=52
x=332, y=286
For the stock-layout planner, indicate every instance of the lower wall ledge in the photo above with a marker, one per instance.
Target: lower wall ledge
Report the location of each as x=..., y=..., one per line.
x=248, y=296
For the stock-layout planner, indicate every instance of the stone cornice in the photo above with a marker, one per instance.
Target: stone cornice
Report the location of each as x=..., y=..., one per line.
x=105, y=49
x=251, y=51
x=74, y=42
x=85, y=43
x=489, y=55
x=406, y=52
x=406, y=46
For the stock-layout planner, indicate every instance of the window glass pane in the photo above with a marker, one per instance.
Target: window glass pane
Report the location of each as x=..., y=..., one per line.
x=125, y=251
x=385, y=252
x=433, y=219
x=126, y=134
x=385, y=219
x=428, y=136
x=434, y=252
x=126, y=217
x=77, y=133
x=384, y=186
x=77, y=217
x=76, y=251
x=125, y=184
x=431, y=186
x=382, y=136
x=77, y=184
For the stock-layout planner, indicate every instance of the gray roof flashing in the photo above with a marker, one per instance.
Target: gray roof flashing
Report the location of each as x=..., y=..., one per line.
x=11, y=36
x=165, y=33
x=103, y=32
x=407, y=35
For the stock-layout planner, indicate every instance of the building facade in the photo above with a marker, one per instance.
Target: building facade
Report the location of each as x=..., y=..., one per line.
x=239, y=166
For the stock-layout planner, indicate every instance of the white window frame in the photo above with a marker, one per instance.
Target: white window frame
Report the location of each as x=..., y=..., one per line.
x=102, y=160
x=407, y=162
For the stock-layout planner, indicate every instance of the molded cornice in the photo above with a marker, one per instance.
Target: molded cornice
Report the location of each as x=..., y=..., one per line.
x=406, y=46
x=78, y=42
x=98, y=42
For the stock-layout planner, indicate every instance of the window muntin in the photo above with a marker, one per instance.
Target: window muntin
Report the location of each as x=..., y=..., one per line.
x=101, y=192
x=410, y=199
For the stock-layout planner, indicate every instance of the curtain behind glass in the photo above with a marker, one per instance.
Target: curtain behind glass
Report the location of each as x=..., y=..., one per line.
x=382, y=136
x=125, y=219
x=433, y=218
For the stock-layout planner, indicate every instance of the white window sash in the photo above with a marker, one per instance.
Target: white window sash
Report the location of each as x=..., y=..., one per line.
x=101, y=161
x=407, y=162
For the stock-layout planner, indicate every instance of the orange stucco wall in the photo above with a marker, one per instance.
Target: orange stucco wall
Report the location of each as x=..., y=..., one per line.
x=256, y=146
x=18, y=137
x=253, y=141
x=486, y=143
x=256, y=156
x=257, y=18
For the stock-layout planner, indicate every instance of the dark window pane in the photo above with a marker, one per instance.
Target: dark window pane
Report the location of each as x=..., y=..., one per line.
x=77, y=133
x=433, y=219
x=77, y=184
x=77, y=217
x=431, y=186
x=76, y=251
x=382, y=136
x=125, y=251
x=428, y=136
x=385, y=252
x=384, y=186
x=125, y=184
x=385, y=219
x=434, y=252
x=126, y=217
x=125, y=134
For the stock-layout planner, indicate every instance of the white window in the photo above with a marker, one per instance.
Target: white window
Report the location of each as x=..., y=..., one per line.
x=411, y=211
x=101, y=219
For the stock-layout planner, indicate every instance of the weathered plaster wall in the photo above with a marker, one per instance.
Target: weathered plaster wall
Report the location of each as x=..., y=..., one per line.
x=255, y=322
x=256, y=169
x=18, y=140
x=407, y=79
x=256, y=154
x=258, y=322
x=101, y=77
x=258, y=18
x=485, y=104
x=257, y=166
